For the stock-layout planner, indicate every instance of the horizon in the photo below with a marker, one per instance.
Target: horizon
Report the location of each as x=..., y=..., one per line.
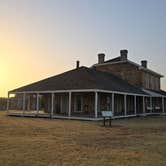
x=44, y=38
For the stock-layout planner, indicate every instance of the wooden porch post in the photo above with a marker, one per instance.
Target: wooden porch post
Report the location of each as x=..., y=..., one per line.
x=24, y=103
x=163, y=104
x=37, y=104
x=29, y=102
x=52, y=104
x=96, y=103
x=135, y=105
x=125, y=104
x=143, y=104
x=113, y=97
x=69, y=113
x=8, y=102
x=151, y=104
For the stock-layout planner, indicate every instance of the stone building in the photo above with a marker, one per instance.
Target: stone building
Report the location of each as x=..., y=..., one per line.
x=118, y=85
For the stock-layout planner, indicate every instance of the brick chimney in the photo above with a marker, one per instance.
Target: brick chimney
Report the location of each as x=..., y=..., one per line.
x=77, y=64
x=123, y=54
x=101, y=57
x=144, y=63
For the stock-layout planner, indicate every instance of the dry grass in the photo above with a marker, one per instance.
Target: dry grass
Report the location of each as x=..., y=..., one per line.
x=44, y=142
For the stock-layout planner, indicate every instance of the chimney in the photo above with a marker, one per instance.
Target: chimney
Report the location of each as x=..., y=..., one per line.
x=144, y=63
x=77, y=64
x=123, y=54
x=101, y=57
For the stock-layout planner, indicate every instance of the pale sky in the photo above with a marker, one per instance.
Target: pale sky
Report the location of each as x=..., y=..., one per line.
x=42, y=38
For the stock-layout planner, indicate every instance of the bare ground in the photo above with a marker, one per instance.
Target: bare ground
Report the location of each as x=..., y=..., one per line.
x=45, y=142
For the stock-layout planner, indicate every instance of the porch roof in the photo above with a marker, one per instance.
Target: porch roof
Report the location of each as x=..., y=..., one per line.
x=82, y=78
x=162, y=92
x=155, y=93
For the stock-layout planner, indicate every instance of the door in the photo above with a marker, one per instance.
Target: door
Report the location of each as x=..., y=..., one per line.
x=64, y=104
x=78, y=103
x=57, y=104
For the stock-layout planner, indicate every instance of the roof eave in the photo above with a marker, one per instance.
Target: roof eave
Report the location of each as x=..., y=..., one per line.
x=79, y=90
x=153, y=72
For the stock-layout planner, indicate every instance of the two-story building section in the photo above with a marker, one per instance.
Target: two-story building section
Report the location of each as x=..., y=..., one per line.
x=135, y=74
x=118, y=85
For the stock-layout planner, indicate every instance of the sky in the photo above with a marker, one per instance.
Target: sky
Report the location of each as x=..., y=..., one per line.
x=42, y=38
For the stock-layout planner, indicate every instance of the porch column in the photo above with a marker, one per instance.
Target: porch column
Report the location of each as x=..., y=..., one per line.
x=69, y=113
x=52, y=104
x=143, y=104
x=96, y=103
x=163, y=104
x=113, y=96
x=8, y=101
x=125, y=104
x=135, y=105
x=151, y=104
x=29, y=102
x=24, y=103
x=37, y=104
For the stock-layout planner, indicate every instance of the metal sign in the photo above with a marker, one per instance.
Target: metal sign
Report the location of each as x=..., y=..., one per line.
x=107, y=113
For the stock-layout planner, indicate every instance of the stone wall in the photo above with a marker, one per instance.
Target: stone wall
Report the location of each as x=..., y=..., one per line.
x=132, y=74
x=150, y=81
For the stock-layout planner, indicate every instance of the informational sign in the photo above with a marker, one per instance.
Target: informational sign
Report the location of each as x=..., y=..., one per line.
x=107, y=113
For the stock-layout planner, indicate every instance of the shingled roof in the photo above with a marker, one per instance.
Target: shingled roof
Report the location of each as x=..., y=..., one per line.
x=81, y=78
x=160, y=92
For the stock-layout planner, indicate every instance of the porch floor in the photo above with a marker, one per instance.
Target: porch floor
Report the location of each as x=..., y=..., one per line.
x=84, y=117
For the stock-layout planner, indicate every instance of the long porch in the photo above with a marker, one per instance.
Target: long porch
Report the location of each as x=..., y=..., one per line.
x=83, y=104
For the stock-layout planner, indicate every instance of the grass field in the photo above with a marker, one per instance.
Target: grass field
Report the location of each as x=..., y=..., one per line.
x=44, y=142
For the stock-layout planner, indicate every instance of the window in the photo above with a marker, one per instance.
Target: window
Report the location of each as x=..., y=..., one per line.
x=149, y=82
x=78, y=103
x=152, y=82
x=146, y=80
x=157, y=84
x=108, y=103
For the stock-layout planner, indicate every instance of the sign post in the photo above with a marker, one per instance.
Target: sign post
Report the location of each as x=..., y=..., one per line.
x=107, y=114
